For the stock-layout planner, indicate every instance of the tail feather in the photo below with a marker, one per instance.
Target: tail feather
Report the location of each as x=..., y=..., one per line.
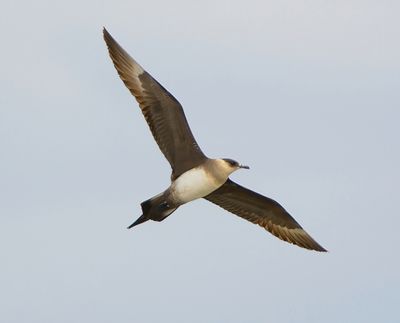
x=140, y=220
x=155, y=208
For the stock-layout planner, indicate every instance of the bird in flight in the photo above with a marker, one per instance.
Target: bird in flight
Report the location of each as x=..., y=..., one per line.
x=194, y=175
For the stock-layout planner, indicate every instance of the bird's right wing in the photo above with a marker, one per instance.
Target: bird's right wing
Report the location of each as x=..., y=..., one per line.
x=163, y=113
x=263, y=211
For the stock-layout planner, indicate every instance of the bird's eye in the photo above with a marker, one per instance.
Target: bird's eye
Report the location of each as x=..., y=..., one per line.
x=231, y=162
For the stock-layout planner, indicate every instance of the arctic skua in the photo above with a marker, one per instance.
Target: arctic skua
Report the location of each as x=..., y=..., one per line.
x=194, y=175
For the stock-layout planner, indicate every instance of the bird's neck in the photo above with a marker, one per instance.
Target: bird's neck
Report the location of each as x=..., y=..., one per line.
x=218, y=169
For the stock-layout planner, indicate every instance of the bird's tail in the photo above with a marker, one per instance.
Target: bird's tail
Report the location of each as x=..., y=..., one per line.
x=141, y=219
x=155, y=208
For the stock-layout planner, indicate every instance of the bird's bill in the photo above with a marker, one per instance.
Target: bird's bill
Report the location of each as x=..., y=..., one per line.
x=244, y=166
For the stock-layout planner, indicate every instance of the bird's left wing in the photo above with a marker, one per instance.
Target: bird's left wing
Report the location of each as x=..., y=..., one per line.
x=263, y=211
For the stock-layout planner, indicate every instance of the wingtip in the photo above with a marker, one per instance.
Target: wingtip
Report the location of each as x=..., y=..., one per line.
x=296, y=236
x=315, y=246
x=311, y=244
x=106, y=34
x=320, y=249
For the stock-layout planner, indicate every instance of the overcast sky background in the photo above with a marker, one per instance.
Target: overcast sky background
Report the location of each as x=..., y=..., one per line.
x=305, y=92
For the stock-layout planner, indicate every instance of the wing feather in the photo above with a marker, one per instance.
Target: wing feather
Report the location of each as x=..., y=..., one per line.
x=163, y=113
x=263, y=211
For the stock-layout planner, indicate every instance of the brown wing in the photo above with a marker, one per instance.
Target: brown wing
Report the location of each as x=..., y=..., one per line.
x=163, y=113
x=263, y=211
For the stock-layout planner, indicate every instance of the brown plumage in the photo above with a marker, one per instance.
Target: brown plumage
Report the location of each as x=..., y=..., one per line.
x=168, y=124
x=263, y=211
x=163, y=113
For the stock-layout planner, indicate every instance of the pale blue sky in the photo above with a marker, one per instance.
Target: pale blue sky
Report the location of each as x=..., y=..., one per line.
x=305, y=92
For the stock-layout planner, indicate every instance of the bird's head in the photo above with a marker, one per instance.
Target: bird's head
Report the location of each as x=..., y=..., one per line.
x=233, y=165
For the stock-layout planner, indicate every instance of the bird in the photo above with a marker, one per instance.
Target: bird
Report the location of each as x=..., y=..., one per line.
x=194, y=175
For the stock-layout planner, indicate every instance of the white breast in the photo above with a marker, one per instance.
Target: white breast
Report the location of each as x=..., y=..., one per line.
x=193, y=184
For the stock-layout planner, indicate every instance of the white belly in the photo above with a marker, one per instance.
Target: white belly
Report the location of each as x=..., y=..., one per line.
x=193, y=184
